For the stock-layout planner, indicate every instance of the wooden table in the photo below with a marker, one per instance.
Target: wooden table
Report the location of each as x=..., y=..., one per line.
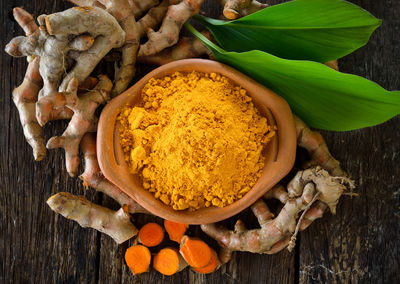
x=358, y=245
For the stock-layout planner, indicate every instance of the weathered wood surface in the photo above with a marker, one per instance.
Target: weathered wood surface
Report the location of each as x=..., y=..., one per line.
x=359, y=245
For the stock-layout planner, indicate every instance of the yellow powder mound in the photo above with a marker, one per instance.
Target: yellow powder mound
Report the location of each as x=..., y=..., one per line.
x=196, y=140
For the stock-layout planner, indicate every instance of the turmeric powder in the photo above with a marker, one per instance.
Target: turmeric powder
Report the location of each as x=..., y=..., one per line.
x=196, y=139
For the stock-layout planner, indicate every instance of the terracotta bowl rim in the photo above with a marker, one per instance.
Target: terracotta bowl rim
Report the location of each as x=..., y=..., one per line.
x=285, y=149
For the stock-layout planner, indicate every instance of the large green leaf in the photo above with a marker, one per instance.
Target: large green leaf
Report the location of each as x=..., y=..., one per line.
x=317, y=30
x=322, y=97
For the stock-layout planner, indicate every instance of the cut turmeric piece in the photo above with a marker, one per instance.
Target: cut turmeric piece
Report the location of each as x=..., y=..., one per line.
x=175, y=230
x=138, y=259
x=168, y=261
x=212, y=266
x=196, y=252
x=151, y=235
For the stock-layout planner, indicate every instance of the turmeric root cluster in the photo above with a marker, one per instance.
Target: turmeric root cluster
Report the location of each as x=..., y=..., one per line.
x=68, y=45
x=196, y=139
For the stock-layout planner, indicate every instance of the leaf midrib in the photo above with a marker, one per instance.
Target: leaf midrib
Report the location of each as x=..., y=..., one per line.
x=297, y=28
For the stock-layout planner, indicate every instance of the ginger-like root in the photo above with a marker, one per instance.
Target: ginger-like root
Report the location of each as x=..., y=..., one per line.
x=315, y=144
x=54, y=42
x=275, y=233
x=93, y=177
x=187, y=47
x=82, y=121
x=234, y=9
x=92, y=20
x=26, y=94
x=126, y=12
x=168, y=34
x=116, y=224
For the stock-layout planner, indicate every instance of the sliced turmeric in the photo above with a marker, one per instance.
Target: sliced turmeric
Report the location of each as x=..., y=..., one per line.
x=138, y=259
x=151, y=235
x=213, y=265
x=196, y=252
x=175, y=230
x=168, y=261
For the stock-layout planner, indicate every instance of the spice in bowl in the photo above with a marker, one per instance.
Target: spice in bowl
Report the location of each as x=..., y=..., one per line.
x=195, y=139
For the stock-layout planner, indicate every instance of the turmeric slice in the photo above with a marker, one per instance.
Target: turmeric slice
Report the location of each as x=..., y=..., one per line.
x=138, y=259
x=211, y=267
x=196, y=252
x=175, y=230
x=168, y=261
x=151, y=235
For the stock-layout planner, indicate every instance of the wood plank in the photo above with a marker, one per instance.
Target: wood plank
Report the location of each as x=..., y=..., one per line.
x=360, y=244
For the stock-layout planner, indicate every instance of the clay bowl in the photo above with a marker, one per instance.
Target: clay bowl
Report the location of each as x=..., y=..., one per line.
x=280, y=152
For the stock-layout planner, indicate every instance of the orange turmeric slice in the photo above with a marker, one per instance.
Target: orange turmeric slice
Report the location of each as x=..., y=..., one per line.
x=175, y=230
x=138, y=259
x=151, y=235
x=168, y=261
x=211, y=267
x=196, y=252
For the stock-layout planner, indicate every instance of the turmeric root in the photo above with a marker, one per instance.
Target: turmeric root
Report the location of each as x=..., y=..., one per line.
x=151, y=235
x=187, y=47
x=168, y=261
x=93, y=177
x=83, y=120
x=234, y=9
x=168, y=34
x=275, y=233
x=26, y=94
x=116, y=224
x=175, y=230
x=126, y=12
x=315, y=144
x=138, y=259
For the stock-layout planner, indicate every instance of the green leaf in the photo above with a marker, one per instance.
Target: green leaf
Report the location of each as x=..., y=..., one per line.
x=317, y=30
x=322, y=97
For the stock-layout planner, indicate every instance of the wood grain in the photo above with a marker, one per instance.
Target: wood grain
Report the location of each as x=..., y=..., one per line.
x=359, y=245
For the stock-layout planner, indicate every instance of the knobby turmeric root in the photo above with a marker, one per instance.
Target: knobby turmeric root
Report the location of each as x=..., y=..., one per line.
x=94, y=33
x=116, y=224
x=315, y=144
x=26, y=94
x=187, y=47
x=82, y=121
x=127, y=13
x=234, y=9
x=168, y=33
x=275, y=233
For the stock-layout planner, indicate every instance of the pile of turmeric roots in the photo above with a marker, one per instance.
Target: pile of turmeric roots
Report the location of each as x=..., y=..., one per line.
x=64, y=48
